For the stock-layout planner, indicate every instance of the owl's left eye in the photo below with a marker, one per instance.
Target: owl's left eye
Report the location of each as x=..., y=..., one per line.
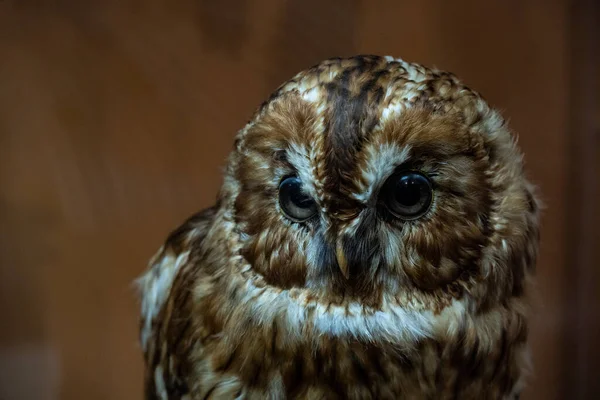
x=296, y=204
x=407, y=194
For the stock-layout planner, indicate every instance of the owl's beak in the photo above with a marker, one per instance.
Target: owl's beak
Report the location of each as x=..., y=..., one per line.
x=341, y=257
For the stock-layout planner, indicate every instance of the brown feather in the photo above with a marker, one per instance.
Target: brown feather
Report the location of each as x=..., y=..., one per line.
x=244, y=302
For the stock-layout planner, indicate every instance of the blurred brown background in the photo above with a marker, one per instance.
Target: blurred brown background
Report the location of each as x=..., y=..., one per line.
x=116, y=117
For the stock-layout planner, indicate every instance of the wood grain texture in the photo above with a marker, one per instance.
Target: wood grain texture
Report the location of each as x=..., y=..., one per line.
x=115, y=118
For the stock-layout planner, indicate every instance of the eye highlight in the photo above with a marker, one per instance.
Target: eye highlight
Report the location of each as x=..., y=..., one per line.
x=295, y=203
x=407, y=194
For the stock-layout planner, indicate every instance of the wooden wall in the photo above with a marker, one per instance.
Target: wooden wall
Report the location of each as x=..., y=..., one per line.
x=116, y=117
x=582, y=278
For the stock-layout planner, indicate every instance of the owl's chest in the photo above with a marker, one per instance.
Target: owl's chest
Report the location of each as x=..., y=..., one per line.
x=346, y=369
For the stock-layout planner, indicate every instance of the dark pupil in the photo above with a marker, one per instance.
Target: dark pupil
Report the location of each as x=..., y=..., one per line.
x=408, y=191
x=299, y=198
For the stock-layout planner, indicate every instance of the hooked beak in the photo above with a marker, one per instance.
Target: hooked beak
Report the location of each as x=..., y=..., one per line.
x=341, y=257
x=356, y=247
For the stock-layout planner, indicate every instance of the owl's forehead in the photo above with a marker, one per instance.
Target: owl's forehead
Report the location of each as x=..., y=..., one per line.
x=346, y=123
x=383, y=82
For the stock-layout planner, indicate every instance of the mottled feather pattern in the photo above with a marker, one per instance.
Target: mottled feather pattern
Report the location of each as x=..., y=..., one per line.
x=243, y=302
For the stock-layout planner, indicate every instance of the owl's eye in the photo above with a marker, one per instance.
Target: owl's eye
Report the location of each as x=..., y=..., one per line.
x=294, y=201
x=407, y=194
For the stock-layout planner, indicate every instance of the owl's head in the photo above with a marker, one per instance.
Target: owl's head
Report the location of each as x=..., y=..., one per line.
x=371, y=178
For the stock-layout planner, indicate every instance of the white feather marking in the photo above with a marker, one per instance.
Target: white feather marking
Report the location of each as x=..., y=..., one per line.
x=312, y=95
x=156, y=285
x=298, y=156
x=392, y=323
x=382, y=159
x=393, y=110
x=159, y=382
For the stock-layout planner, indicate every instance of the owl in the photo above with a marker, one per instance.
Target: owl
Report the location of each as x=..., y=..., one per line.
x=375, y=237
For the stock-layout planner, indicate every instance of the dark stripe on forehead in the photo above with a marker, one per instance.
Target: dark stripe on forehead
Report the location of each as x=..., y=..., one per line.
x=353, y=99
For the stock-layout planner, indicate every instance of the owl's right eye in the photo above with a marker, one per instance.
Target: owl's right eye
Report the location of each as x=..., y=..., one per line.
x=296, y=204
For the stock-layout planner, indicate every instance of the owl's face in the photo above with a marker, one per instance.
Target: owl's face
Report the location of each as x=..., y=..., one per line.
x=371, y=178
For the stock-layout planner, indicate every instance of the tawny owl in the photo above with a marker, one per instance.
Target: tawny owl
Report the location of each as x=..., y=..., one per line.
x=373, y=239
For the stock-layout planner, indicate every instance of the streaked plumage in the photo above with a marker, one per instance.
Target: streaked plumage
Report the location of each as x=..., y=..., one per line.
x=353, y=286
